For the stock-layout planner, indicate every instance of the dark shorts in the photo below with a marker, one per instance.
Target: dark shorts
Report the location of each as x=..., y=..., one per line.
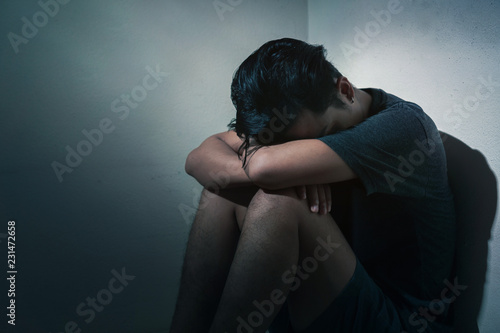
x=360, y=307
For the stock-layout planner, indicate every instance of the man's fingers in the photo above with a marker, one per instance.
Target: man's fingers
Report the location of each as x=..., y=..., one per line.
x=312, y=196
x=319, y=197
x=328, y=195
x=323, y=209
x=301, y=191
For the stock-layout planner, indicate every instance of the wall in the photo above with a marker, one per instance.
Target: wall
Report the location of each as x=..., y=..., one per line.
x=125, y=208
x=435, y=53
x=101, y=101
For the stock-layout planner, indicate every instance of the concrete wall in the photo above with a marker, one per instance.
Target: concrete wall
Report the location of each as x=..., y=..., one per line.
x=438, y=54
x=123, y=206
x=147, y=81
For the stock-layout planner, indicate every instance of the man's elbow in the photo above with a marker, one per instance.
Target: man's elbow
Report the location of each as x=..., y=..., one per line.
x=191, y=164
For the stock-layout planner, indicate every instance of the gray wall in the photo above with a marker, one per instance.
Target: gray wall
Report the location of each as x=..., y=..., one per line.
x=128, y=203
x=121, y=206
x=437, y=54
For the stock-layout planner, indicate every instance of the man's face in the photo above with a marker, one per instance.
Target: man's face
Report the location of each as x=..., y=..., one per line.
x=310, y=125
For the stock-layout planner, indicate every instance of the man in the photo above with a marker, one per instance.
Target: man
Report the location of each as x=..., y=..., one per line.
x=264, y=252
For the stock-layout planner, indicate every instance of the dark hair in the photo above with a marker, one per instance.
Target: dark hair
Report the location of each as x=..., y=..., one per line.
x=282, y=77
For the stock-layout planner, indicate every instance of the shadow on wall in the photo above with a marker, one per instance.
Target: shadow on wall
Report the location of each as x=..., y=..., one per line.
x=474, y=186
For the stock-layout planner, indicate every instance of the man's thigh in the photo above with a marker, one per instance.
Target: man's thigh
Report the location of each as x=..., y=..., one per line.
x=330, y=289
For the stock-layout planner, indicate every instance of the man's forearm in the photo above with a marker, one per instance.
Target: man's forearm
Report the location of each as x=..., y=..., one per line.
x=215, y=164
x=298, y=162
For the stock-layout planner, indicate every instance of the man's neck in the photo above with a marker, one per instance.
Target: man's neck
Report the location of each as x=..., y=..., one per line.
x=362, y=104
x=359, y=110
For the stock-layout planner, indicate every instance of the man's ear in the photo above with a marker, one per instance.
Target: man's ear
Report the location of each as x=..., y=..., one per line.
x=345, y=89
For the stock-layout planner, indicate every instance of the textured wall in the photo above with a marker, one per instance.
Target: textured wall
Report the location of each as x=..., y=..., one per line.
x=101, y=101
x=133, y=86
x=442, y=55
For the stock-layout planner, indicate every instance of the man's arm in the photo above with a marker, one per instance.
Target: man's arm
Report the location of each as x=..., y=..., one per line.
x=216, y=161
x=294, y=163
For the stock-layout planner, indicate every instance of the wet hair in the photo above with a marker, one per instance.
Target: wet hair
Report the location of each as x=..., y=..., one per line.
x=274, y=84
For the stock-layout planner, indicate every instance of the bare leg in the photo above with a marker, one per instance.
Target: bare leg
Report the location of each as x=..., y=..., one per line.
x=210, y=250
x=280, y=233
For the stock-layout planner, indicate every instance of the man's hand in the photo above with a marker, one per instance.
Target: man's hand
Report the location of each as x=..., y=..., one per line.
x=319, y=197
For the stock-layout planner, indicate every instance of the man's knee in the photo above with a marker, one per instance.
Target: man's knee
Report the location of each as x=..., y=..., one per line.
x=283, y=197
x=213, y=206
x=240, y=196
x=271, y=213
x=231, y=203
x=272, y=203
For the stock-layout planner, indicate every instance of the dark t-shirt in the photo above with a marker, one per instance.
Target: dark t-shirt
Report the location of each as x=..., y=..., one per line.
x=399, y=214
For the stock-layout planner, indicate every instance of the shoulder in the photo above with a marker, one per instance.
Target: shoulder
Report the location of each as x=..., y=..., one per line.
x=405, y=117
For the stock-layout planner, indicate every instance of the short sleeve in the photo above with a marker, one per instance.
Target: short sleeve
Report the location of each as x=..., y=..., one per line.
x=392, y=151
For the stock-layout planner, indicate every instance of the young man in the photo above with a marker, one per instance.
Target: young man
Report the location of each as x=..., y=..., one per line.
x=264, y=252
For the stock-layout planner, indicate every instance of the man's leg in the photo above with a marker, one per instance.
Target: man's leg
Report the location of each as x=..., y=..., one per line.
x=280, y=233
x=210, y=250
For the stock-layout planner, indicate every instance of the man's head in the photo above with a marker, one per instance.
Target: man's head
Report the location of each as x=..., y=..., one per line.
x=275, y=84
